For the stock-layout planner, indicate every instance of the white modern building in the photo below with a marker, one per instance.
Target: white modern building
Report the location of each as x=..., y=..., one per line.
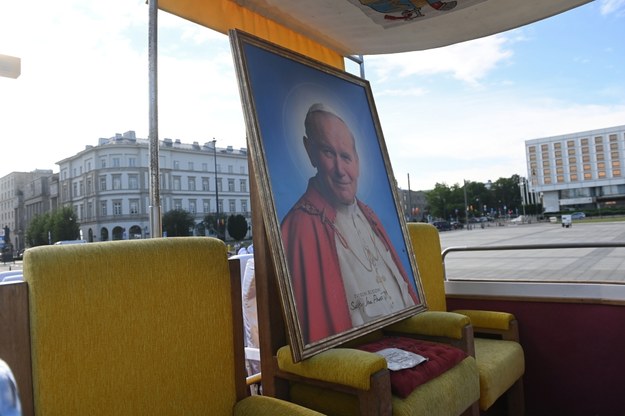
x=108, y=184
x=581, y=170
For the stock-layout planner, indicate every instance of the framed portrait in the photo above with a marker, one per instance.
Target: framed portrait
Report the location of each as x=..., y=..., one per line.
x=336, y=231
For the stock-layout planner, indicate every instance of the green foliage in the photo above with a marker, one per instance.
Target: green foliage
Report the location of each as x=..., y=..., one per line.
x=51, y=227
x=449, y=202
x=237, y=227
x=216, y=225
x=178, y=223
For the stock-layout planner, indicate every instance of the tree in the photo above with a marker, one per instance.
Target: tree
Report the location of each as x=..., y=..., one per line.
x=51, y=227
x=178, y=223
x=237, y=227
x=216, y=225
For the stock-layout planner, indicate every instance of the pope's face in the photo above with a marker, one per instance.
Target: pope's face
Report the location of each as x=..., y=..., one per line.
x=332, y=151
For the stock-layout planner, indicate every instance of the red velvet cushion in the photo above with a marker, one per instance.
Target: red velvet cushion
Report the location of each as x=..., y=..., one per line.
x=441, y=357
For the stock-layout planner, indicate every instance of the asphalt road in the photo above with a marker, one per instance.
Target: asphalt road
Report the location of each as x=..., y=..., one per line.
x=563, y=265
x=570, y=265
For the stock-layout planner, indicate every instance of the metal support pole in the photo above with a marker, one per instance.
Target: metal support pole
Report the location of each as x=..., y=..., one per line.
x=216, y=189
x=156, y=225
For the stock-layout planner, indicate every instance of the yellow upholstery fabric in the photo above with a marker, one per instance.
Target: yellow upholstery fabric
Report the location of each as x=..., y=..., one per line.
x=488, y=319
x=501, y=364
x=141, y=327
x=426, y=243
x=268, y=406
x=448, y=394
x=344, y=366
x=433, y=323
x=131, y=327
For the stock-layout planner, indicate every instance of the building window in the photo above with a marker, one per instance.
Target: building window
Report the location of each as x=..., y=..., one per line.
x=219, y=185
x=204, y=167
x=89, y=186
x=243, y=185
x=134, y=206
x=103, y=183
x=220, y=204
x=132, y=162
x=117, y=207
x=192, y=206
x=74, y=189
x=573, y=176
x=205, y=184
x=117, y=182
x=176, y=183
x=176, y=164
x=230, y=169
x=191, y=184
x=116, y=162
x=244, y=205
x=190, y=165
x=232, y=204
x=103, y=210
x=206, y=206
x=230, y=185
x=103, y=163
x=133, y=181
x=177, y=203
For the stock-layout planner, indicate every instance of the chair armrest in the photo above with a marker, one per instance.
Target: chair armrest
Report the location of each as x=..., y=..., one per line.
x=269, y=406
x=436, y=326
x=491, y=322
x=432, y=323
x=343, y=366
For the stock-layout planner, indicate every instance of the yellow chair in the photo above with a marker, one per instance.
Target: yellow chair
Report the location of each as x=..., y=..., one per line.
x=501, y=361
x=349, y=381
x=142, y=327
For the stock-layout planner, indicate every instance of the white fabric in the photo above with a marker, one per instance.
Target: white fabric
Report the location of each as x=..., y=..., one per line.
x=351, y=28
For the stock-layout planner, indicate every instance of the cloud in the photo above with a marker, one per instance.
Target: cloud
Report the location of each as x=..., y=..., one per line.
x=469, y=62
x=613, y=7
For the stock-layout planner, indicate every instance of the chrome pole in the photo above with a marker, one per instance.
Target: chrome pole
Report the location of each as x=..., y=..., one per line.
x=156, y=226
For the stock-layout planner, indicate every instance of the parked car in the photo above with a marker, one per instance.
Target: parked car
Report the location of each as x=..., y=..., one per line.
x=578, y=216
x=442, y=225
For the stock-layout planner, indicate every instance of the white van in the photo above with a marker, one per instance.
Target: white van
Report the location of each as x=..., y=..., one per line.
x=567, y=221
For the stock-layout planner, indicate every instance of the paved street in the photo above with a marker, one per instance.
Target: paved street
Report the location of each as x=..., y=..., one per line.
x=573, y=265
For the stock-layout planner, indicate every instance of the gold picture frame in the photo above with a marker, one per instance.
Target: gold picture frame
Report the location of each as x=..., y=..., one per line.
x=330, y=206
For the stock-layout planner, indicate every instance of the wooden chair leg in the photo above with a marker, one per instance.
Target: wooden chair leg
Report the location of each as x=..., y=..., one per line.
x=473, y=410
x=377, y=400
x=516, y=400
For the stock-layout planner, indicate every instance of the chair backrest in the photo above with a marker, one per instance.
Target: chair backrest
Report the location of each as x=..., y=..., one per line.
x=426, y=244
x=134, y=327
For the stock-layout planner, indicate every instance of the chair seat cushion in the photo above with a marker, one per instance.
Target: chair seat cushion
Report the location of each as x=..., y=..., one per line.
x=501, y=364
x=441, y=357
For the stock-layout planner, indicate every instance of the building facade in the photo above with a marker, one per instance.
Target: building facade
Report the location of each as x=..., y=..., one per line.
x=108, y=185
x=578, y=171
x=12, y=209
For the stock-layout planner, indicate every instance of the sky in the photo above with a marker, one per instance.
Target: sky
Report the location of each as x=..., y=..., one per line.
x=461, y=112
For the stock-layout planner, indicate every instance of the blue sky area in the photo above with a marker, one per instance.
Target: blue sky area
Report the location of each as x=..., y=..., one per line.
x=449, y=114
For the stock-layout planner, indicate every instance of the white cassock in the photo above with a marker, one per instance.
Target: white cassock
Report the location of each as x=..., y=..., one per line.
x=373, y=283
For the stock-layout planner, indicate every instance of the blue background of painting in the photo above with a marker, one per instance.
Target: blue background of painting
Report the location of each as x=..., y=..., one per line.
x=282, y=91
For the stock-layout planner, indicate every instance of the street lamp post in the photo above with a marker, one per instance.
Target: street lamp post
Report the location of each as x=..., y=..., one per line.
x=216, y=189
